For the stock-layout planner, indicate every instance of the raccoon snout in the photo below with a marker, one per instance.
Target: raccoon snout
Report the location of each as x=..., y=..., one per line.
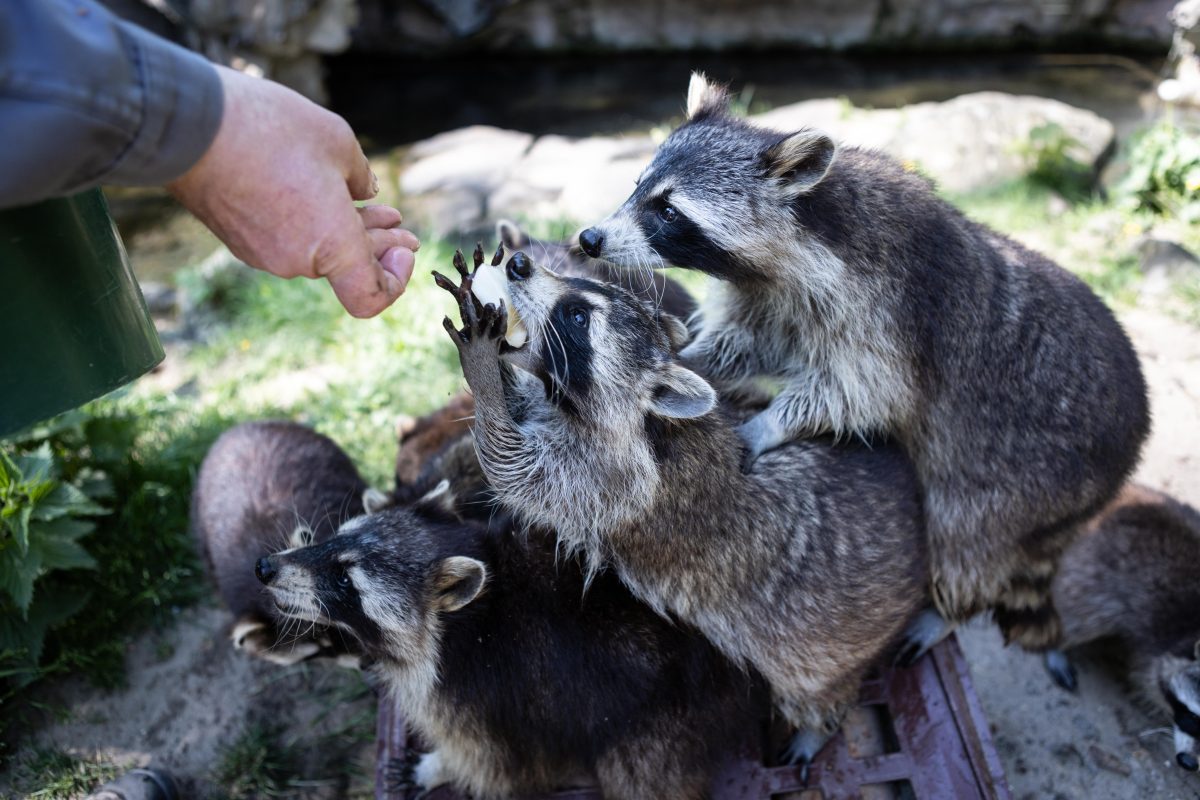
x=519, y=267
x=263, y=570
x=592, y=242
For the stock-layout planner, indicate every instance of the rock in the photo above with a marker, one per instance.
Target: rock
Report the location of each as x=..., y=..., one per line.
x=464, y=180
x=1163, y=262
x=965, y=143
x=1108, y=760
x=161, y=299
x=683, y=25
x=278, y=39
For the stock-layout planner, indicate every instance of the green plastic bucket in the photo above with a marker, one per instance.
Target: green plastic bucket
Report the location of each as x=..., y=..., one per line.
x=73, y=323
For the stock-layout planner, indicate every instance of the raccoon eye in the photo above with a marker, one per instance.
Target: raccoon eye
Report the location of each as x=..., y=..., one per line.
x=668, y=214
x=343, y=580
x=579, y=316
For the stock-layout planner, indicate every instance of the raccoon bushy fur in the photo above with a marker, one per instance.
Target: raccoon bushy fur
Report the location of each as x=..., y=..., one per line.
x=263, y=486
x=884, y=310
x=805, y=568
x=521, y=676
x=1134, y=576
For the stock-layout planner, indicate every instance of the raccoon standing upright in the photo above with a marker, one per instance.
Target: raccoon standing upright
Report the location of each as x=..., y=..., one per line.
x=1134, y=576
x=603, y=437
x=884, y=310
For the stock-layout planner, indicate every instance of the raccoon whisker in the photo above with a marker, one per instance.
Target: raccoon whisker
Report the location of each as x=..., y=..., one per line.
x=1168, y=731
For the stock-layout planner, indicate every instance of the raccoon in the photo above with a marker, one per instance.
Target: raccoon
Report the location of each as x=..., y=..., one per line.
x=520, y=679
x=1134, y=577
x=883, y=309
x=566, y=259
x=262, y=485
x=604, y=437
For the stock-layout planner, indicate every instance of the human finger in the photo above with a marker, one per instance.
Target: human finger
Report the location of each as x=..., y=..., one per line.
x=399, y=261
x=365, y=288
x=379, y=216
x=384, y=239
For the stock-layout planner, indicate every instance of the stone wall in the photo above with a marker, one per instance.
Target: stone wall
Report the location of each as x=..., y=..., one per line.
x=432, y=26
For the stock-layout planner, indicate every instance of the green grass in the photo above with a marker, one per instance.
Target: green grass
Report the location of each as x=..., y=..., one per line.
x=51, y=774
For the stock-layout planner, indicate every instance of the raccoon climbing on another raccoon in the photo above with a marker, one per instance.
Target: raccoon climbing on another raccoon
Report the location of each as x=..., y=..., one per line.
x=806, y=568
x=1134, y=576
x=264, y=485
x=884, y=310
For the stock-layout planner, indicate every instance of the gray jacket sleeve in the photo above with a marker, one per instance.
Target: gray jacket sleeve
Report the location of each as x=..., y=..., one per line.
x=86, y=98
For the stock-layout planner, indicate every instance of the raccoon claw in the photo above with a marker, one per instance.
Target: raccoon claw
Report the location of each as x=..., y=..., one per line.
x=800, y=752
x=924, y=632
x=1187, y=761
x=1061, y=670
x=402, y=773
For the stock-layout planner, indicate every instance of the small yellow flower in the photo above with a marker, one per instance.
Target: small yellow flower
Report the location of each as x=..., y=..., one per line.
x=1130, y=229
x=909, y=165
x=1193, y=182
x=244, y=345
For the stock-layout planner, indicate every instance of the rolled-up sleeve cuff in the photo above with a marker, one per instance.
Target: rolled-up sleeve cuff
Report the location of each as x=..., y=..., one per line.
x=182, y=104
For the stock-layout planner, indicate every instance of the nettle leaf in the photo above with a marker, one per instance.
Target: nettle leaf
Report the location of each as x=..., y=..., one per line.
x=63, y=528
x=22, y=640
x=56, y=553
x=17, y=573
x=66, y=499
x=36, y=467
x=18, y=525
x=9, y=474
x=96, y=485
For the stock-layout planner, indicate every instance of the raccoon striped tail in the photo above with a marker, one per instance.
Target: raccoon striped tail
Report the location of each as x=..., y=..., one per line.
x=1025, y=611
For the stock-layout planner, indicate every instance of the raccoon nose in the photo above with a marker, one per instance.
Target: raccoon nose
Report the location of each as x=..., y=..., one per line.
x=592, y=241
x=264, y=570
x=1187, y=761
x=519, y=267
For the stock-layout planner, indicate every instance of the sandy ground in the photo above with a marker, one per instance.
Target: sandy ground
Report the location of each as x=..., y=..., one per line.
x=186, y=703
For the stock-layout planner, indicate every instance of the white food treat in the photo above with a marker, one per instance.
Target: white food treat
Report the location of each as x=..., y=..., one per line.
x=490, y=287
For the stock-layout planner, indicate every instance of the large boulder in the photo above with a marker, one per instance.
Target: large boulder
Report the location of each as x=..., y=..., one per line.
x=461, y=182
x=966, y=143
x=679, y=25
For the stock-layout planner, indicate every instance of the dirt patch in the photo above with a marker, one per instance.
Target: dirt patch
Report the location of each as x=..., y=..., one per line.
x=191, y=698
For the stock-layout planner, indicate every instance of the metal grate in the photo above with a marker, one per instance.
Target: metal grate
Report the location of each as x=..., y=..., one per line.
x=917, y=734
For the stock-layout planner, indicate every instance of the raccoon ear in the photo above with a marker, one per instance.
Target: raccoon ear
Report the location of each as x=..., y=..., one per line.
x=682, y=394
x=800, y=160
x=704, y=98
x=510, y=235
x=457, y=581
x=439, y=500
x=677, y=332
x=374, y=500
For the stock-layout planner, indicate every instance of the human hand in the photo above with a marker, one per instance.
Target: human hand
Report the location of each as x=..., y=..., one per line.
x=277, y=186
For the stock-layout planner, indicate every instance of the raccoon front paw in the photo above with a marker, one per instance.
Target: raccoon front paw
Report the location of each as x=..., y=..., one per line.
x=484, y=326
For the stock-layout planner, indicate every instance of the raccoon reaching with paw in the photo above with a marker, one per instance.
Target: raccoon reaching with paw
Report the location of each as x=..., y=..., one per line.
x=604, y=437
x=263, y=485
x=1134, y=576
x=885, y=311
x=521, y=677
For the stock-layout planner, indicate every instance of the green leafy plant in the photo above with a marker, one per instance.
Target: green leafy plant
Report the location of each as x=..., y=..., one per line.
x=42, y=519
x=1164, y=172
x=1053, y=161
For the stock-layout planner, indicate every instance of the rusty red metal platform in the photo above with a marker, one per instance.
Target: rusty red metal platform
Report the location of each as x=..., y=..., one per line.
x=917, y=734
